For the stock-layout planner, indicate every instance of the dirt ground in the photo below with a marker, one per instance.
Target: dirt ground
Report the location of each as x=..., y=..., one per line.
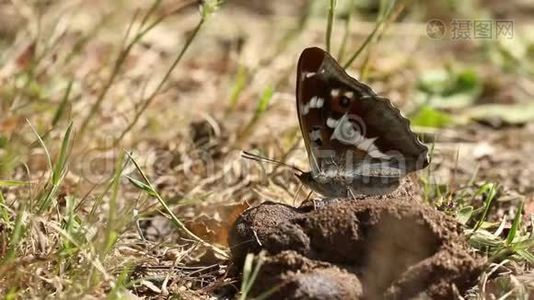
x=322, y=253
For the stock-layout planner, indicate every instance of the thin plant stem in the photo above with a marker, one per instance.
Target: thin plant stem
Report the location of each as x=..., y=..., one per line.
x=162, y=82
x=330, y=24
x=117, y=67
x=379, y=26
x=344, y=39
x=390, y=15
x=290, y=35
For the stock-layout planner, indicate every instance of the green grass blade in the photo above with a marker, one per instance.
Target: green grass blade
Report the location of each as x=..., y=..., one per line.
x=525, y=244
x=58, y=172
x=247, y=271
x=120, y=285
x=141, y=185
x=48, y=157
x=379, y=25
x=61, y=109
x=346, y=30
x=528, y=256
x=119, y=62
x=250, y=273
x=256, y=271
x=261, y=108
x=12, y=183
x=111, y=233
x=4, y=214
x=60, y=167
x=330, y=24
x=491, y=192
x=148, y=100
x=169, y=211
x=70, y=225
x=238, y=86
x=265, y=99
x=17, y=234
x=515, y=225
x=99, y=200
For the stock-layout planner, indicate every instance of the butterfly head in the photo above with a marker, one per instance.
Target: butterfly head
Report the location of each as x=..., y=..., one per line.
x=322, y=185
x=306, y=178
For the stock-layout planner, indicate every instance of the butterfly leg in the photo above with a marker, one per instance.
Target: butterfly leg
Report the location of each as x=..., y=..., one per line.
x=350, y=194
x=308, y=197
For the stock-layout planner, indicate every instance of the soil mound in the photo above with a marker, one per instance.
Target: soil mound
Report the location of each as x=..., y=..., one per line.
x=371, y=248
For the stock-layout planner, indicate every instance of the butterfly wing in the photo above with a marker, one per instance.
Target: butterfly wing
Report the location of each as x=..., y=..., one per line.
x=346, y=125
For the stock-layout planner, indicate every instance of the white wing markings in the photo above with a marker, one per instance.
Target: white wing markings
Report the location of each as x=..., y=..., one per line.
x=354, y=137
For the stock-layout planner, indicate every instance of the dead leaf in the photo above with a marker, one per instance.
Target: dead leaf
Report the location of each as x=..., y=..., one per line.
x=25, y=59
x=501, y=114
x=215, y=228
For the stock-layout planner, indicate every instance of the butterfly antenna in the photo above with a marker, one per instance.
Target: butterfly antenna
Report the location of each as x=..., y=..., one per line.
x=258, y=158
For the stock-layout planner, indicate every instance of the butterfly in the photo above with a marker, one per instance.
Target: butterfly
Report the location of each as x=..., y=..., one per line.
x=357, y=142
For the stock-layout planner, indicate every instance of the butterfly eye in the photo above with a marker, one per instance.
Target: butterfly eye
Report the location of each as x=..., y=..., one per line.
x=344, y=101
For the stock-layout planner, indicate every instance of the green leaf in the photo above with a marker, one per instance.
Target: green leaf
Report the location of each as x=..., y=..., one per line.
x=464, y=214
x=449, y=88
x=430, y=117
x=142, y=186
x=465, y=81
